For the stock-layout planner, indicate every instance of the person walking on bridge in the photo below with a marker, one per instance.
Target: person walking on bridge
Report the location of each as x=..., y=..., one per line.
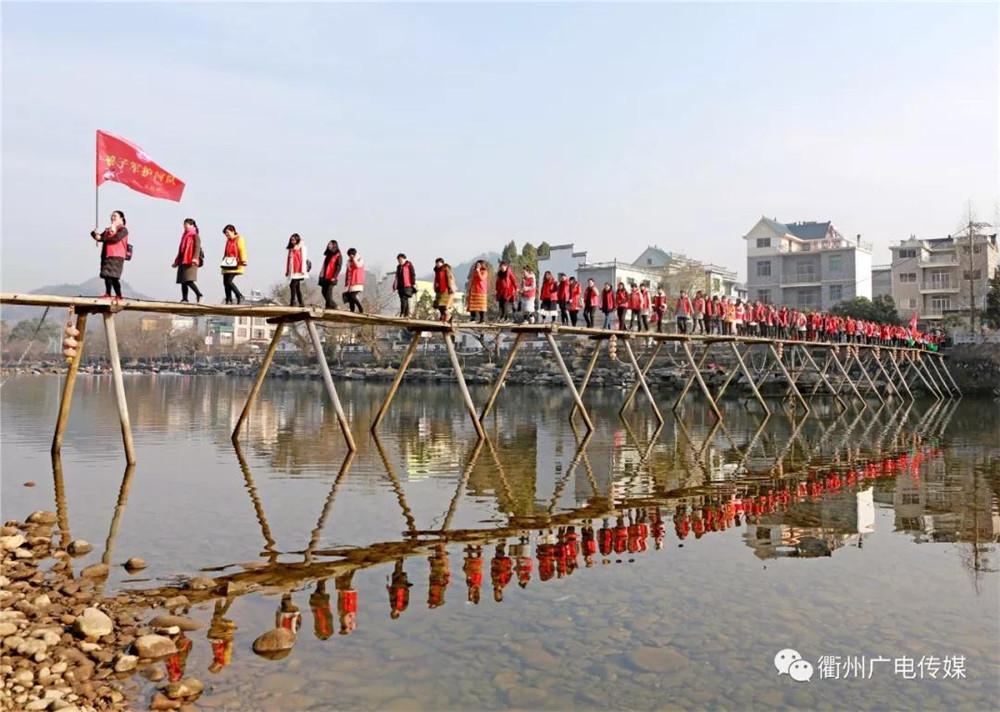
x=562, y=298
x=573, y=304
x=354, y=281
x=189, y=258
x=528, y=290
x=296, y=269
x=621, y=305
x=506, y=290
x=682, y=311
x=234, y=262
x=607, y=304
x=478, y=287
x=329, y=273
x=444, y=288
x=591, y=299
x=405, y=283
x=114, y=251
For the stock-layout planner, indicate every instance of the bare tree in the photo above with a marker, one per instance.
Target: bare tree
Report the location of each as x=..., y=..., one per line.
x=975, y=244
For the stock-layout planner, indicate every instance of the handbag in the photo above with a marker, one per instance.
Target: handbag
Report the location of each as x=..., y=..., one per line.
x=230, y=262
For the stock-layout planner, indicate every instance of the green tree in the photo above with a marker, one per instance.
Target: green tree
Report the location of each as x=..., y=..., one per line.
x=424, y=307
x=509, y=254
x=25, y=329
x=992, y=315
x=544, y=250
x=529, y=259
x=882, y=309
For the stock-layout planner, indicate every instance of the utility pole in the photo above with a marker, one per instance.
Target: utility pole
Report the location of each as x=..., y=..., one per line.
x=972, y=226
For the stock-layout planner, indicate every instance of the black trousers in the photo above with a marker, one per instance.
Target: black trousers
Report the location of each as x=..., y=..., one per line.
x=353, y=300
x=505, y=305
x=185, y=286
x=621, y=318
x=328, y=301
x=573, y=315
x=229, y=285
x=588, y=317
x=295, y=288
x=113, y=285
x=404, y=304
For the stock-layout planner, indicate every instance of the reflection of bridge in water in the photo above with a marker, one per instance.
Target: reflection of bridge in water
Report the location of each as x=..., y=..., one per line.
x=786, y=504
x=844, y=372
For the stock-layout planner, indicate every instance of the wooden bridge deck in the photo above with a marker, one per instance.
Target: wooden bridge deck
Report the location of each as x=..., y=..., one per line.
x=855, y=367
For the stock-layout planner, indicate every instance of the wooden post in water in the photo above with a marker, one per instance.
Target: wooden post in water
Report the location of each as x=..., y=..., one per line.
x=877, y=358
x=400, y=372
x=822, y=376
x=569, y=380
x=701, y=381
x=746, y=372
x=502, y=377
x=791, y=383
x=69, y=385
x=695, y=376
x=944, y=367
x=116, y=372
x=641, y=383
x=944, y=382
x=899, y=374
x=928, y=378
x=261, y=375
x=640, y=375
x=449, y=343
x=912, y=366
x=733, y=371
x=864, y=372
x=586, y=376
x=331, y=390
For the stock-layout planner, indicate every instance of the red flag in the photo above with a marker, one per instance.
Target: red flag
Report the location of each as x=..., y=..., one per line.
x=913, y=325
x=123, y=162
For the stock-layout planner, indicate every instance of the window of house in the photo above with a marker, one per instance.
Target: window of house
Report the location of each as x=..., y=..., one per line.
x=907, y=254
x=836, y=264
x=763, y=242
x=649, y=261
x=972, y=274
x=836, y=292
x=940, y=304
x=764, y=295
x=764, y=268
x=911, y=498
x=911, y=303
x=905, y=277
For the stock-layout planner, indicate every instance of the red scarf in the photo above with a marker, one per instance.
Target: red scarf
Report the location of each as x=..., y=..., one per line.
x=232, y=247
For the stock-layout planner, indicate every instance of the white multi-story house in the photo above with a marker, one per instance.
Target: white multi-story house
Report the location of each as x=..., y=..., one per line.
x=939, y=277
x=808, y=265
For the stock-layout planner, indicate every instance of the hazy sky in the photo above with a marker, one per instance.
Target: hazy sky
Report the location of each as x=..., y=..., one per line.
x=452, y=129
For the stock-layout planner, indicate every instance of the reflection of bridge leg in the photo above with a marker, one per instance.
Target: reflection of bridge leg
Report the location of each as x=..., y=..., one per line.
x=502, y=377
x=449, y=343
x=947, y=371
x=561, y=484
x=62, y=513
x=67, y=394
x=116, y=520
x=586, y=376
x=258, y=506
x=400, y=372
x=569, y=380
x=328, y=505
x=746, y=373
x=411, y=522
x=640, y=382
x=261, y=375
x=791, y=383
x=462, y=482
x=116, y=372
x=641, y=378
x=331, y=390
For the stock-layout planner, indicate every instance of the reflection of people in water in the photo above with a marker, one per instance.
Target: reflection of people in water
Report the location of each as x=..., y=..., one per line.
x=220, y=636
x=178, y=661
x=288, y=615
x=621, y=535
x=546, y=551
x=589, y=544
x=440, y=576
x=607, y=538
x=567, y=551
x=319, y=602
x=524, y=563
x=658, y=528
x=399, y=591
x=347, y=603
x=473, y=568
x=682, y=523
x=501, y=571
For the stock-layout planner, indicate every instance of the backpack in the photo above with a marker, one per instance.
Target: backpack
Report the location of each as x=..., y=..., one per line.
x=309, y=266
x=201, y=257
x=128, y=250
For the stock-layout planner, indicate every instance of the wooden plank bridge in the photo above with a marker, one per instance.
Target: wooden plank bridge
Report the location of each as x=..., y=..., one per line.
x=845, y=372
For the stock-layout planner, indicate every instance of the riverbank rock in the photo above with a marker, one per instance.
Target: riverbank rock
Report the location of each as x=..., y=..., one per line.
x=93, y=623
x=42, y=517
x=274, y=644
x=182, y=689
x=10, y=543
x=79, y=547
x=154, y=646
x=135, y=564
x=162, y=702
x=95, y=571
x=182, y=622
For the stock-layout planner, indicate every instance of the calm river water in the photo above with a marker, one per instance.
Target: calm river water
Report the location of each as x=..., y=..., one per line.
x=645, y=570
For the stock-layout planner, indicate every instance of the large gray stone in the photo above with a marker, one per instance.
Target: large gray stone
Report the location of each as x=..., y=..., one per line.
x=182, y=622
x=274, y=643
x=154, y=646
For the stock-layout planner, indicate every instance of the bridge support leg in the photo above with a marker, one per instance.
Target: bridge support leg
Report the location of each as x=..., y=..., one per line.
x=847, y=377
x=933, y=361
x=912, y=366
x=449, y=343
x=733, y=372
x=877, y=358
x=746, y=372
x=871, y=383
x=822, y=377
x=695, y=376
x=331, y=390
x=400, y=372
x=640, y=384
x=586, y=377
x=261, y=375
x=501, y=378
x=928, y=378
x=899, y=374
x=791, y=383
x=569, y=380
x=69, y=385
x=947, y=371
x=696, y=367
x=116, y=372
x=640, y=375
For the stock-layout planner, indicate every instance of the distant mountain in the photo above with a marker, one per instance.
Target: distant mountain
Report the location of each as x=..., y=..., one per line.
x=461, y=270
x=91, y=288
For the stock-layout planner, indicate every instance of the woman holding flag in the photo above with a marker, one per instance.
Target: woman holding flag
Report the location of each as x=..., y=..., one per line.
x=114, y=252
x=188, y=260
